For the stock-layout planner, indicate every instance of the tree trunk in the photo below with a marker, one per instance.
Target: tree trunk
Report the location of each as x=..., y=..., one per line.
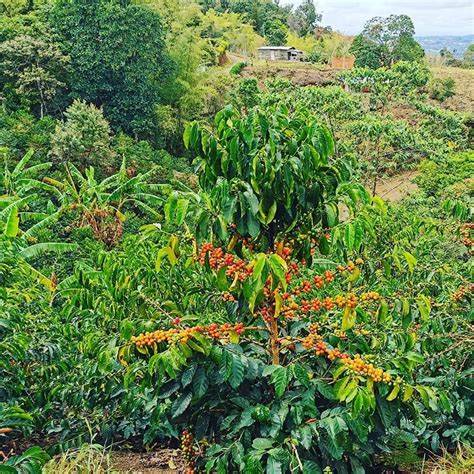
x=274, y=345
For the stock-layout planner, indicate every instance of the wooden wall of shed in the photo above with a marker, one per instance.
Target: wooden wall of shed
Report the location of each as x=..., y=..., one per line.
x=278, y=54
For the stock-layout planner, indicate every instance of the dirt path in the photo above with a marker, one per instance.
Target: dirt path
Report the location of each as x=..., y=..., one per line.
x=395, y=188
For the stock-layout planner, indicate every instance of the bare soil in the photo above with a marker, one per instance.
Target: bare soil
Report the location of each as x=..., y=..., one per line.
x=161, y=461
x=300, y=74
x=395, y=188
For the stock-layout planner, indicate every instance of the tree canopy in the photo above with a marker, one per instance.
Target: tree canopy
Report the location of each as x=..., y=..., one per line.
x=126, y=81
x=384, y=41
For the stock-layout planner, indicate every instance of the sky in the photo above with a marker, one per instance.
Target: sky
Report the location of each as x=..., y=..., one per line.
x=431, y=17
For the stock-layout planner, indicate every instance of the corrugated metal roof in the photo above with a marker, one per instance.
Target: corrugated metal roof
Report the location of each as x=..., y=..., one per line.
x=284, y=48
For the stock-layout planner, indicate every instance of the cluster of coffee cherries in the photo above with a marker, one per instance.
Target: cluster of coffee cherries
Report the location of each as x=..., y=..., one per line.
x=156, y=337
x=226, y=296
x=340, y=334
x=463, y=292
x=318, y=281
x=349, y=300
x=222, y=331
x=189, y=453
x=314, y=341
x=292, y=308
x=359, y=366
x=282, y=250
x=361, y=332
x=351, y=266
x=267, y=312
x=218, y=258
x=169, y=336
x=370, y=296
x=466, y=234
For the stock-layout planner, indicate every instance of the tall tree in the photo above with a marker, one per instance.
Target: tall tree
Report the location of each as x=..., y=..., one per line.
x=275, y=32
x=367, y=53
x=118, y=58
x=391, y=39
x=36, y=67
x=305, y=18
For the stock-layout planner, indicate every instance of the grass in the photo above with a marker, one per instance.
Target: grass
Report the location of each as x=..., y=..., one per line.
x=463, y=101
x=88, y=459
x=459, y=462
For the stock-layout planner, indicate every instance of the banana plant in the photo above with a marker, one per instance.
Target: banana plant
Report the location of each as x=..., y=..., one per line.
x=18, y=245
x=101, y=203
x=22, y=179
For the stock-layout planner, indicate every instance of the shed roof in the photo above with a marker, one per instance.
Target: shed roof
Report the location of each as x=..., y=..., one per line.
x=283, y=48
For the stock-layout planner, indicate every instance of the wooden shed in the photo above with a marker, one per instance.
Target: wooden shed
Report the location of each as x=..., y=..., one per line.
x=280, y=53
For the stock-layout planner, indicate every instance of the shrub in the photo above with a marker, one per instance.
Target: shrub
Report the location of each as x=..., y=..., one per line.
x=403, y=78
x=247, y=165
x=236, y=69
x=442, y=89
x=247, y=94
x=410, y=76
x=436, y=177
x=84, y=138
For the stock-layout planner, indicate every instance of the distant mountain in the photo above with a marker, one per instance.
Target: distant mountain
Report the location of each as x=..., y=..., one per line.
x=456, y=44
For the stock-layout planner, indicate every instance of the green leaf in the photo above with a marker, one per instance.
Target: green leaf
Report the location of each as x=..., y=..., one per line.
x=279, y=379
x=237, y=371
x=348, y=318
x=326, y=390
x=180, y=211
x=393, y=394
x=271, y=213
x=259, y=265
x=274, y=466
x=311, y=467
x=36, y=250
x=12, y=225
x=181, y=404
x=279, y=268
x=252, y=202
x=358, y=404
x=424, y=306
x=349, y=236
x=262, y=444
x=200, y=383
x=411, y=261
x=334, y=425
x=42, y=224
x=188, y=375
x=253, y=225
x=301, y=374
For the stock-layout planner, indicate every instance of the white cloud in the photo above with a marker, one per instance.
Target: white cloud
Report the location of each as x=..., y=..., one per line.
x=431, y=17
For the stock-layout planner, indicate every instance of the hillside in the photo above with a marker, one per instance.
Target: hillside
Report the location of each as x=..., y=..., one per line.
x=214, y=263
x=463, y=100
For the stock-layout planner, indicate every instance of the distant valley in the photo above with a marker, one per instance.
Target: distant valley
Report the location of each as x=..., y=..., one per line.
x=456, y=44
